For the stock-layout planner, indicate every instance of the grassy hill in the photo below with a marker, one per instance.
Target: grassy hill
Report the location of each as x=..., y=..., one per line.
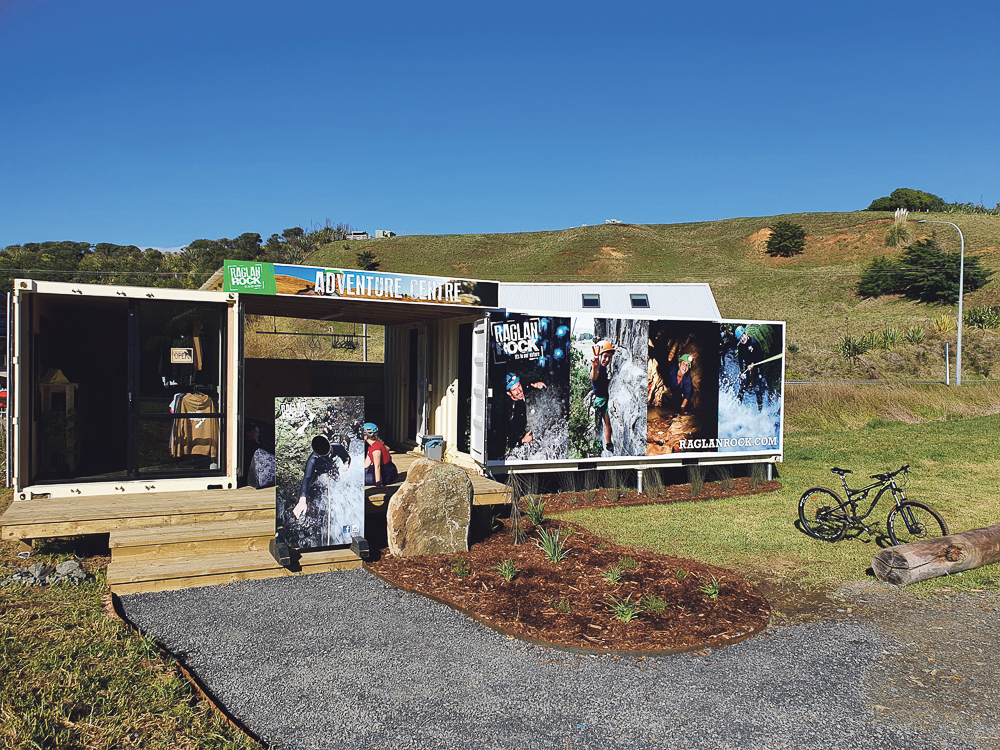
x=813, y=292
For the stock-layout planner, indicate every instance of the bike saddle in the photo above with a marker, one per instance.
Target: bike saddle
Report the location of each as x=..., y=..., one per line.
x=835, y=470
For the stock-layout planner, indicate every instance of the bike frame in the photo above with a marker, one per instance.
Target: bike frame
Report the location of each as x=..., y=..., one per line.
x=898, y=496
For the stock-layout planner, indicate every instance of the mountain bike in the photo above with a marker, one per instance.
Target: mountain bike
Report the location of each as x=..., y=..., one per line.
x=825, y=516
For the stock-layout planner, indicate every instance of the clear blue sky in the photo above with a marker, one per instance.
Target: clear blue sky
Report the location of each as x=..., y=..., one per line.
x=158, y=123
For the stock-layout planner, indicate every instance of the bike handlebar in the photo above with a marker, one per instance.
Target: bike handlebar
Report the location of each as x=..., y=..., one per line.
x=890, y=474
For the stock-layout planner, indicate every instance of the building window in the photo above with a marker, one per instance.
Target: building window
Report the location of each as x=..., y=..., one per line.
x=591, y=300
x=639, y=300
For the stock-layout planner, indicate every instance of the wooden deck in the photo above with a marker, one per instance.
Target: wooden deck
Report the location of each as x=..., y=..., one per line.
x=171, y=540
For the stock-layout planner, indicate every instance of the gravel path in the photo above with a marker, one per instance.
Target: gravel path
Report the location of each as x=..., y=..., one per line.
x=340, y=660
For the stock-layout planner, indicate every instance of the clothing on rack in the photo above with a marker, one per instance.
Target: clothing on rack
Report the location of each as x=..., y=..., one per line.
x=193, y=436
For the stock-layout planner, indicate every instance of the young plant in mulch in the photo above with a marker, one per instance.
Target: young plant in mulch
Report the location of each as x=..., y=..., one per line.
x=534, y=508
x=550, y=544
x=628, y=563
x=461, y=567
x=624, y=610
x=590, y=482
x=711, y=590
x=652, y=483
x=613, y=575
x=562, y=605
x=507, y=570
x=681, y=574
x=653, y=604
x=696, y=476
x=514, y=493
x=612, y=485
x=724, y=477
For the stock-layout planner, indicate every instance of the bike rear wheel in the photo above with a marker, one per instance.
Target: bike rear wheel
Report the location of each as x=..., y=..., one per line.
x=822, y=514
x=913, y=521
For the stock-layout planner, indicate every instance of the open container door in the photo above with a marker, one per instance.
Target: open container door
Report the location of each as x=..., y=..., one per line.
x=9, y=406
x=477, y=432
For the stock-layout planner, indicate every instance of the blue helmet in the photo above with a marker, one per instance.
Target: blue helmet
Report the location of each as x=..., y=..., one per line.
x=371, y=428
x=512, y=380
x=740, y=330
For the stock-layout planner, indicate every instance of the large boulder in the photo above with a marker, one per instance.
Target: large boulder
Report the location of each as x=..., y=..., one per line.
x=430, y=512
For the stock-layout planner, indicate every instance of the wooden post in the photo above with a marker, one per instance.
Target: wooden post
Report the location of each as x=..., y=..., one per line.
x=946, y=555
x=24, y=546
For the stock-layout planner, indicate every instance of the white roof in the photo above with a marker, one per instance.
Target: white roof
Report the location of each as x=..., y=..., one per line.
x=684, y=301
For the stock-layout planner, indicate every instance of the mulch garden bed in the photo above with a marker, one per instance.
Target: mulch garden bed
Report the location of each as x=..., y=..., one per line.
x=578, y=602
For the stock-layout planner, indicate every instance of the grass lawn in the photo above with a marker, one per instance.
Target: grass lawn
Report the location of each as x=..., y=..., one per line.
x=953, y=467
x=73, y=677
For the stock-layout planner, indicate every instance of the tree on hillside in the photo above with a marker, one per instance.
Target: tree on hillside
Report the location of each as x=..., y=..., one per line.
x=928, y=274
x=787, y=239
x=911, y=200
x=878, y=277
x=924, y=272
x=366, y=259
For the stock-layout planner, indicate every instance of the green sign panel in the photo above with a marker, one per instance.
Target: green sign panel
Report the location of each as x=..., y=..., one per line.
x=249, y=278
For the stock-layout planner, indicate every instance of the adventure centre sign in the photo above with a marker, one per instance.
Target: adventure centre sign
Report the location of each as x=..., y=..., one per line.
x=315, y=281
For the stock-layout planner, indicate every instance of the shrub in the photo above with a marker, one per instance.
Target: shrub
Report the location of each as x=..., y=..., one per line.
x=850, y=347
x=983, y=317
x=787, y=239
x=891, y=337
x=915, y=335
x=944, y=324
x=898, y=234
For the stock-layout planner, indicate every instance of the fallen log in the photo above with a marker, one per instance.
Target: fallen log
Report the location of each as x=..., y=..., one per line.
x=930, y=558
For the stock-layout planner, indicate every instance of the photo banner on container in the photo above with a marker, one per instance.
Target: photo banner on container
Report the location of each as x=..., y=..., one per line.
x=528, y=366
x=634, y=388
x=320, y=470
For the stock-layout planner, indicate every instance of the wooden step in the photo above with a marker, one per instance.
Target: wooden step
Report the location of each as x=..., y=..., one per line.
x=192, y=538
x=135, y=575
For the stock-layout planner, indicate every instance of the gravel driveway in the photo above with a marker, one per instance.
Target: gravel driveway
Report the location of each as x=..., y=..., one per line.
x=342, y=660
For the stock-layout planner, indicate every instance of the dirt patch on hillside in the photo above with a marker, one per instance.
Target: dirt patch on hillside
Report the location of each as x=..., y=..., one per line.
x=842, y=245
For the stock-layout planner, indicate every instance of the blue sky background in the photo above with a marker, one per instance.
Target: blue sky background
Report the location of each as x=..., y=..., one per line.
x=156, y=124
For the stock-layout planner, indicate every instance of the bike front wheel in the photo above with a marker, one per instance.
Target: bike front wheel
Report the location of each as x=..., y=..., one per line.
x=913, y=521
x=822, y=514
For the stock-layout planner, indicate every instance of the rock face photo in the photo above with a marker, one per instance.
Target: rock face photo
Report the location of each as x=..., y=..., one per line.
x=320, y=470
x=626, y=383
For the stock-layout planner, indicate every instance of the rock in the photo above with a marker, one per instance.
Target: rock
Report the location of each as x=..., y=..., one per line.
x=39, y=571
x=431, y=511
x=67, y=567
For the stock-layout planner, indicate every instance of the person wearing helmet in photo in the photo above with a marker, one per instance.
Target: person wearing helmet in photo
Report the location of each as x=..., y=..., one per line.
x=680, y=383
x=379, y=468
x=748, y=354
x=321, y=469
x=603, y=351
x=518, y=430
